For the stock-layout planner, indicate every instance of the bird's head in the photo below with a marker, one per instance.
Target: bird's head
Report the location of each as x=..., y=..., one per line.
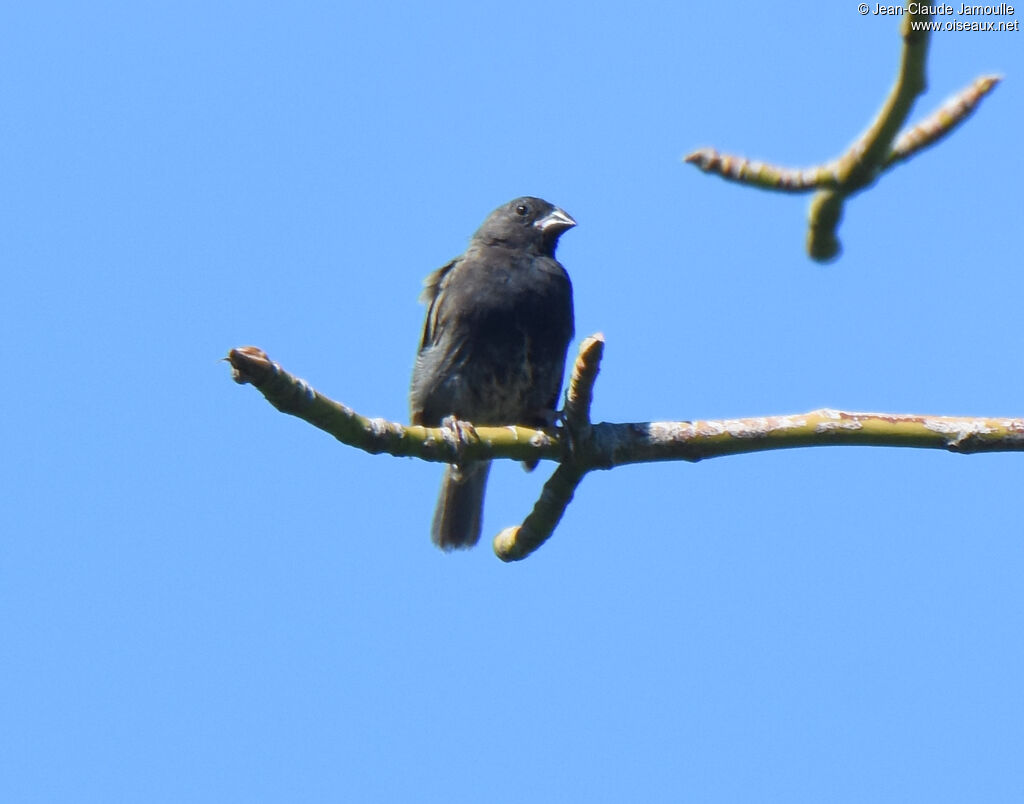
x=526, y=222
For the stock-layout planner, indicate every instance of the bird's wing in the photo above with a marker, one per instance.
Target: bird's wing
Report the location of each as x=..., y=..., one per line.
x=430, y=296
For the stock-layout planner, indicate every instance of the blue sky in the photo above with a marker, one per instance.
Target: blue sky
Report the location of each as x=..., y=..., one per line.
x=204, y=600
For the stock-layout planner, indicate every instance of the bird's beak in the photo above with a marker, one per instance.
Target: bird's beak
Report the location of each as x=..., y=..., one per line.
x=555, y=222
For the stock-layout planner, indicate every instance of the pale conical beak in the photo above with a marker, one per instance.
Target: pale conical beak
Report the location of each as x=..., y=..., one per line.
x=555, y=222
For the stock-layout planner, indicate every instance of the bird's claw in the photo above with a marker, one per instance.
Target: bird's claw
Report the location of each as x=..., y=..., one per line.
x=567, y=434
x=462, y=434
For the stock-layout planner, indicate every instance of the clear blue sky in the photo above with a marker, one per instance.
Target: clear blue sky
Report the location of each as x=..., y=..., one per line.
x=204, y=600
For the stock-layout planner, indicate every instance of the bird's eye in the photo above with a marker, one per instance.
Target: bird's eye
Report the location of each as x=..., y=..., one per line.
x=522, y=209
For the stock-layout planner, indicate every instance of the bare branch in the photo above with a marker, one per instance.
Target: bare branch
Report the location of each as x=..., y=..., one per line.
x=294, y=396
x=940, y=122
x=580, y=393
x=581, y=446
x=514, y=544
x=878, y=149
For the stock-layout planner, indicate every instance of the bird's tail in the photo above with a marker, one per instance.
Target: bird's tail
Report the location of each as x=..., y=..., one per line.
x=460, y=507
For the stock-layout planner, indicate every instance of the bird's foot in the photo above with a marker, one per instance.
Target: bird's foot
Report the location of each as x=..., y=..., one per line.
x=462, y=434
x=567, y=434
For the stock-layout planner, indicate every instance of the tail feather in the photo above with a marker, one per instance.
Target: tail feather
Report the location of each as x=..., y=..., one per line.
x=461, y=505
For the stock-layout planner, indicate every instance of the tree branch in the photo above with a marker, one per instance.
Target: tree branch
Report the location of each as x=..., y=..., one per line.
x=581, y=446
x=877, y=150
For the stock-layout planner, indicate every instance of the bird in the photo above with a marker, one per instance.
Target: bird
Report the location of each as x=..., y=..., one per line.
x=498, y=324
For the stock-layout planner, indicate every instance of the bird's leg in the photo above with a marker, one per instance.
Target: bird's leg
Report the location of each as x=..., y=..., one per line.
x=553, y=418
x=565, y=432
x=462, y=433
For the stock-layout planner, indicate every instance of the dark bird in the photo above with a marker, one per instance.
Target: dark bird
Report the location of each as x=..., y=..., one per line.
x=499, y=322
